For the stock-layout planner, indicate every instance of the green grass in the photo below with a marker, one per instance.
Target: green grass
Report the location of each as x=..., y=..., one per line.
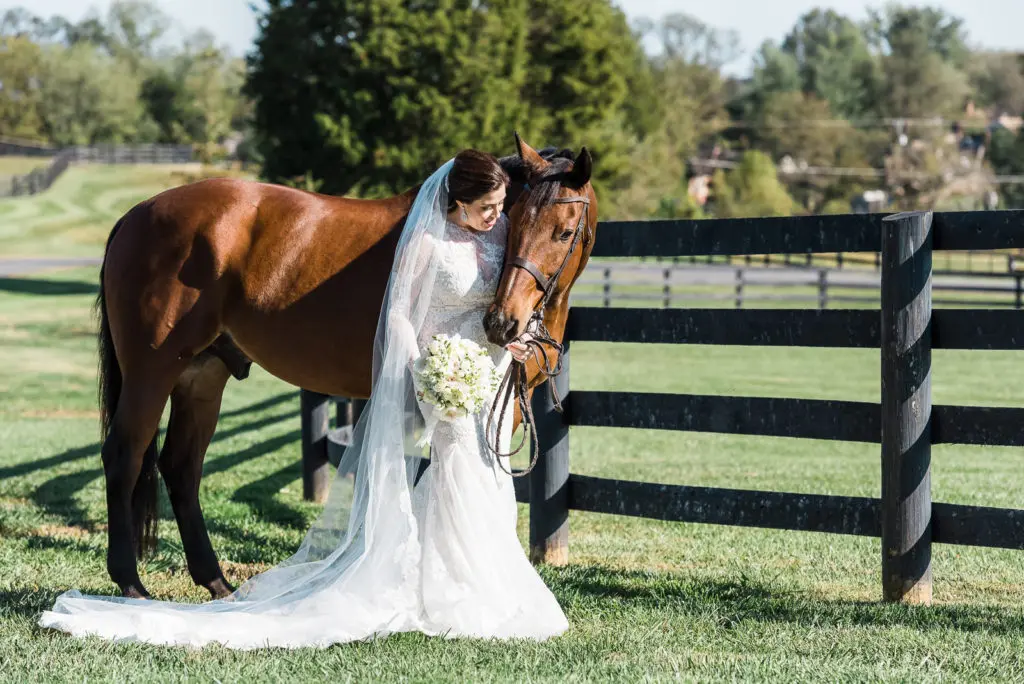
x=74, y=216
x=12, y=165
x=646, y=600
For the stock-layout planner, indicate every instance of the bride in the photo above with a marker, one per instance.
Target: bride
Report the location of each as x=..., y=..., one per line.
x=388, y=553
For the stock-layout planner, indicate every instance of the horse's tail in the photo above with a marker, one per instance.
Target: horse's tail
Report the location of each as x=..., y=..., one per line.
x=110, y=370
x=144, y=497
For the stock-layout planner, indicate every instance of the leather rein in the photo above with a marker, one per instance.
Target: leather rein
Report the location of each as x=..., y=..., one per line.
x=514, y=385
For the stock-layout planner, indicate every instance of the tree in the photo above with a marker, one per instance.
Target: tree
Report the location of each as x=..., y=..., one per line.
x=924, y=52
x=86, y=97
x=133, y=29
x=834, y=62
x=998, y=81
x=368, y=97
x=775, y=71
x=752, y=189
x=1006, y=154
x=20, y=92
x=826, y=55
x=784, y=131
x=691, y=99
x=585, y=74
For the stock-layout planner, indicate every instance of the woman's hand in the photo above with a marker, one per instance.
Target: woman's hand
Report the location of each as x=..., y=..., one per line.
x=520, y=349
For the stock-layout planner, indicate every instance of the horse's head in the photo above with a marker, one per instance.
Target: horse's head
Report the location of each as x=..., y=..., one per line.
x=551, y=234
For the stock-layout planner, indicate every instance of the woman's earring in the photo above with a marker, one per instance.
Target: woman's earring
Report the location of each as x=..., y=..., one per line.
x=465, y=216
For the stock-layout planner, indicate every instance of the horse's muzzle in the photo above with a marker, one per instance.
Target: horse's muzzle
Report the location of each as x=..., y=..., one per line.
x=500, y=329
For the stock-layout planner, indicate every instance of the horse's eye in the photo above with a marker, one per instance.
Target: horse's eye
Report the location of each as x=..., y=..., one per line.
x=564, y=237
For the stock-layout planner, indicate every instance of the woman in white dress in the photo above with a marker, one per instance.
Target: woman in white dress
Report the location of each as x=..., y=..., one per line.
x=388, y=554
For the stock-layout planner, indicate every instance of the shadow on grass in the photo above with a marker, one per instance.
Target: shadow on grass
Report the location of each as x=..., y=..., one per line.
x=747, y=600
x=248, y=545
x=262, y=405
x=78, y=453
x=229, y=461
x=27, y=603
x=67, y=456
x=48, y=288
x=260, y=495
x=57, y=497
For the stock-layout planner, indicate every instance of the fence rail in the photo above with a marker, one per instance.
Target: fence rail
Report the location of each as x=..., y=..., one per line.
x=973, y=261
x=905, y=424
x=41, y=179
x=605, y=284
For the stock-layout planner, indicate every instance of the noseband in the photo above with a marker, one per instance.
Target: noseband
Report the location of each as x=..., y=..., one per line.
x=514, y=383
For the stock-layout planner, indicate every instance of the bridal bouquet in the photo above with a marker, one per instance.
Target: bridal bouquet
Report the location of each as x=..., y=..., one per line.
x=456, y=376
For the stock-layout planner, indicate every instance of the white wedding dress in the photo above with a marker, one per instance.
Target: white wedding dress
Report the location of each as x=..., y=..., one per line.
x=441, y=557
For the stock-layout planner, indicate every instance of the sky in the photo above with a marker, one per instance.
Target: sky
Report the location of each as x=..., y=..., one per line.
x=994, y=24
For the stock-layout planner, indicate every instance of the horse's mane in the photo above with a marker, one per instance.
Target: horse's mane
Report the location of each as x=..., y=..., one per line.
x=515, y=167
x=545, y=188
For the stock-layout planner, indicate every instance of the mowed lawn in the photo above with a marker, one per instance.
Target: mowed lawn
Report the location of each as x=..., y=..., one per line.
x=645, y=600
x=74, y=216
x=16, y=165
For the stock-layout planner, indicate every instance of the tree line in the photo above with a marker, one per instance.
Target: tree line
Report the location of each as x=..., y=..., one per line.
x=364, y=97
x=117, y=78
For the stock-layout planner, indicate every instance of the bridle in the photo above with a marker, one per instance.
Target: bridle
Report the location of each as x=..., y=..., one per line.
x=515, y=383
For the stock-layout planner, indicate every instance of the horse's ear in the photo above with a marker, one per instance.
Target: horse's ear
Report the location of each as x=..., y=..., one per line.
x=533, y=161
x=581, y=169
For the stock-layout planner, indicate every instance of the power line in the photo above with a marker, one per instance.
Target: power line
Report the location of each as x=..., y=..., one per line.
x=848, y=172
x=890, y=122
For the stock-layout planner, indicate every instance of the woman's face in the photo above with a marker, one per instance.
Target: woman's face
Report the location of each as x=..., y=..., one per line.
x=484, y=211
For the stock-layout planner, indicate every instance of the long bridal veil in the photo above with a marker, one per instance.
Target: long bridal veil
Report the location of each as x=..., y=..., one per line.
x=355, y=574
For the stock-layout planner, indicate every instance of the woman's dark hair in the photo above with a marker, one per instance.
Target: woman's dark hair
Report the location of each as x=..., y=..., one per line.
x=473, y=175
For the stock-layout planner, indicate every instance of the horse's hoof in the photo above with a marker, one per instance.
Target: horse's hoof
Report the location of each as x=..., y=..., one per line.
x=135, y=592
x=220, y=588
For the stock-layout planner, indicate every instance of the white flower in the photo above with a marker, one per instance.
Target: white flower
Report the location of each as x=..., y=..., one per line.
x=455, y=375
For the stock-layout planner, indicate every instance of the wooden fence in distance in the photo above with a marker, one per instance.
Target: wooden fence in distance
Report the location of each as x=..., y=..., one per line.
x=41, y=179
x=905, y=424
x=613, y=283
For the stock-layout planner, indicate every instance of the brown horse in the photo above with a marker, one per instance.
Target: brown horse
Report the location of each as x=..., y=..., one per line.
x=201, y=280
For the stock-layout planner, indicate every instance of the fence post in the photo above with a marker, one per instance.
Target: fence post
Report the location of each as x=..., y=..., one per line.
x=316, y=469
x=549, y=480
x=347, y=411
x=607, y=287
x=823, y=288
x=739, y=288
x=1018, y=294
x=906, y=312
x=667, y=288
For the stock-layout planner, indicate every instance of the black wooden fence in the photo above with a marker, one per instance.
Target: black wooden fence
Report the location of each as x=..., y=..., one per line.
x=905, y=424
x=42, y=178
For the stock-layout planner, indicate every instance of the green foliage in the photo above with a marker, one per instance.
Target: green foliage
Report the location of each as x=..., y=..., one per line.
x=923, y=51
x=111, y=79
x=751, y=189
x=834, y=62
x=369, y=96
x=691, y=95
x=87, y=98
x=997, y=79
x=20, y=96
x=825, y=55
x=1006, y=152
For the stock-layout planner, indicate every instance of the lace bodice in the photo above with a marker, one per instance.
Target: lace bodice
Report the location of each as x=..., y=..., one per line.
x=469, y=265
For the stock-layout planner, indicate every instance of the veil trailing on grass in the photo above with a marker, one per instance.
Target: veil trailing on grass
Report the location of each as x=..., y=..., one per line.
x=356, y=573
